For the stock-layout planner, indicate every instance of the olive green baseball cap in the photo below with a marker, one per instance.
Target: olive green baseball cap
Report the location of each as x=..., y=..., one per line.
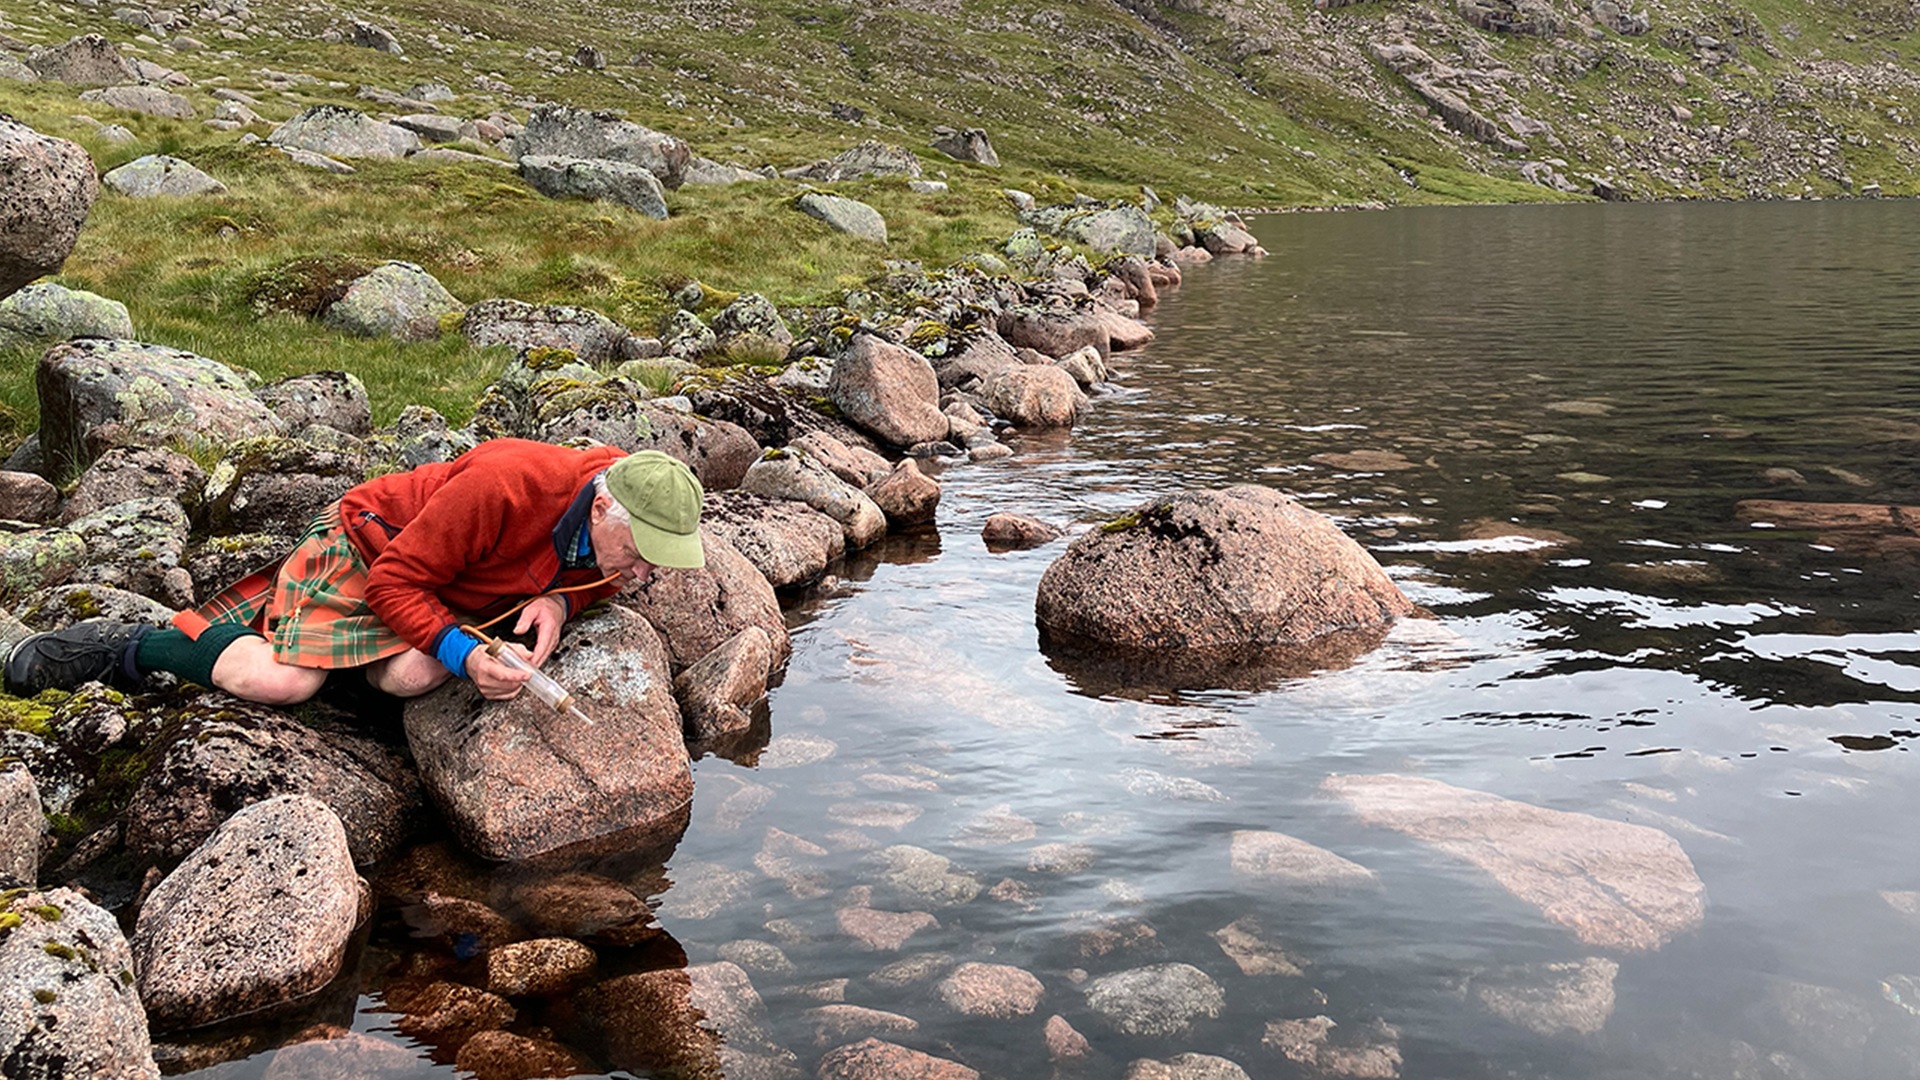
x=663, y=498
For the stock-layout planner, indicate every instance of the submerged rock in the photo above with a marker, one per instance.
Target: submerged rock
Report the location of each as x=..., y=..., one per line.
x=1159, y=1001
x=992, y=990
x=515, y=778
x=258, y=915
x=1369, y=1052
x=66, y=977
x=1614, y=885
x=1017, y=532
x=1282, y=859
x=1186, y=1067
x=699, y=610
x=1550, y=999
x=872, y=1059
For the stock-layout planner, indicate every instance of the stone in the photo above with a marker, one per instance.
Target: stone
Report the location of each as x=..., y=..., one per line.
x=872, y=1059
x=1219, y=574
x=72, y=1012
x=227, y=754
x=446, y=1014
x=86, y=60
x=36, y=558
x=27, y=497
x=337, y=131
x=369, y=36
x=1564, y=997
x=1033, y=395
x=47, y=186
x=992, y=990
x=337, y=399
x=565, y=132
x=717, y=692
x=1124, y=333
x=433, y=127
x=1279, y=859
x=337, y=1053
x=23, y=825
x=888, y=390
x=833, y=1025
x=259, y=914
x=502, y=1055
x=1054, y=332
x=697, y=611
x=123, y=474
x=703, y=1021
x=578, y=904
x=857, y=465
x=47, y=313
x=589, y=335
x=844, y=215
x=718, y=452
x=542, y=967
x=395, y=299
x=277, y=485
x=751, y=329
x=922, y=877
x=1186, y=1067
x=1250, y=948
x=623, y=772
x=732, y=1008
x=1614, y=885
x=907, y=496
x=1159, y=1001
x=147, y=100
x=628, y=185
x=707, y=171
x=985, y=354
x=310, y=160
x=1371, y=1052
x=96, y=394
x=759, y=957
x=970, y=144
x=138, y=546
x=790, y=543
x=1064, y=1044
x=1122, y=230
x=883, y=931
x=1017, y=532
x=790, y=474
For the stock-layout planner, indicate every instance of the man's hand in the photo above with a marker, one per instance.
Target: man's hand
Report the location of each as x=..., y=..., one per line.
x=495, y=680
x=545, y=615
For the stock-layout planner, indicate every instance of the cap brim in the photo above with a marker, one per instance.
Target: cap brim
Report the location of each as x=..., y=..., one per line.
x=675, y=551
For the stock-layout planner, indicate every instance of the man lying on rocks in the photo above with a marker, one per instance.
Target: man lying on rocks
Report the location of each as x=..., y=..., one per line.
x=385, y=578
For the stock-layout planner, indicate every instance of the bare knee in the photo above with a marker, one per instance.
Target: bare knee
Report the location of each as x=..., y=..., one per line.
x=409, y=674
x=248, y=670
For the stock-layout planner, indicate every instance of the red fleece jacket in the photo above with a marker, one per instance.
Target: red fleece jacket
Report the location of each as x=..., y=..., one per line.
x=474, y=535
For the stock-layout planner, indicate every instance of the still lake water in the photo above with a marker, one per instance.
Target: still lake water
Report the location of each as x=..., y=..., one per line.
x=1564, y=406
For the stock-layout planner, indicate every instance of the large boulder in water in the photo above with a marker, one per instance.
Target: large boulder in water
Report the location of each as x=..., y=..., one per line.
x=1218, y=578
x=100, y=393
x=47, y=185
x=259, y=914
x=789, y=542
x=1614, y=885
x=889, y=390
x=797, y=475
x=1034, y=395
x=516, y=778
x=698, y=610
x=66, y=977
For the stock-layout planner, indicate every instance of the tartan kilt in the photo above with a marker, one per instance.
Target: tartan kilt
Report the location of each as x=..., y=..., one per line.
x=312, y=608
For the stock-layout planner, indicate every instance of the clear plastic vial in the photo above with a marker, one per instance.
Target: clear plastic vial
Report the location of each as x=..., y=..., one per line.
x=540, y=685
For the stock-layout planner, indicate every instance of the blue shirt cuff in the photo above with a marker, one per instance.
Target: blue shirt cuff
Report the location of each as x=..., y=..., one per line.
x=455, y=645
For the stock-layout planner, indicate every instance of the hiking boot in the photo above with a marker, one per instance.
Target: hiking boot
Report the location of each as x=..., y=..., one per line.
x=63, y=659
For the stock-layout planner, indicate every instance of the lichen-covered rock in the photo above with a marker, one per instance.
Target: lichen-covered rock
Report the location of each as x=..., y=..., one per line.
x=869, y=158
x=541, y=967
x=34, y=559
x=790, y=543
x=985, y=354
x=1227, y=571
x=970, y=144
x=563, y=131
x=589, y=335
x=719, y=453
x=27, y=497
x=717, y=691
x=228, y=754
x=632, y=186
x=994, y=990
x=1159, y=1001
x=96, y=394
x=22, y=825
x=47, y=185
x=1054, y=331
x=842, y=214
x=1614, y=885
x=696, y=611
x=86, y=60
x=64, y=605
x=67, y=977
x=752, y=327
x=888, y=390
x=48, y=313
x=259, y=914
x=124, y=474
x=1034, y=395
x=907, y=496
x=148, y=101
x=515, y=778
x=277, y=485
x=872, y=1059
x=1121, y=228
x=857, y=465
x=337, y=399
x=791, y=474
x=395, y=299
x=337, y=131
x=138, y=546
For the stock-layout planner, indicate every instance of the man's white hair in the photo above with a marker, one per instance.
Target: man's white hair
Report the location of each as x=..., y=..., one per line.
x=615, y=512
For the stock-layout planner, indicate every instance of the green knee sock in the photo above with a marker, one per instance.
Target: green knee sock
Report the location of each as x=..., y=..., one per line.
x=172, y=651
